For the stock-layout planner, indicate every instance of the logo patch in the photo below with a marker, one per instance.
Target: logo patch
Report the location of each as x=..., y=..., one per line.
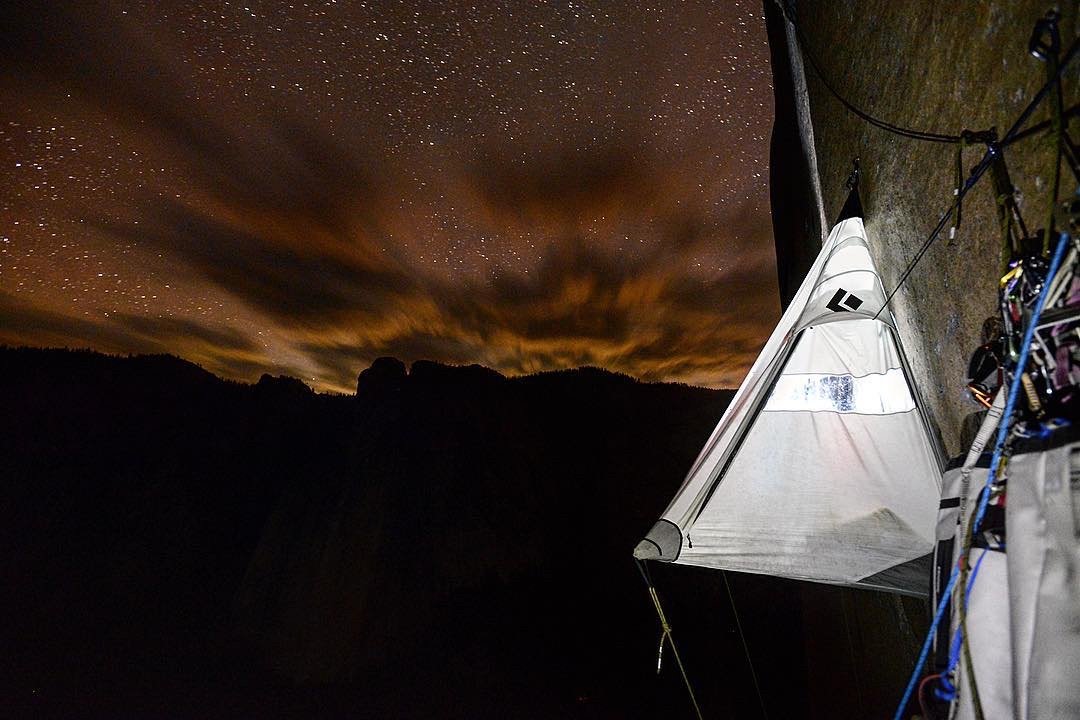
x=843, y=301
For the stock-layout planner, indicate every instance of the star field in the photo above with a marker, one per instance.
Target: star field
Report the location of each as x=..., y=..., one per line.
x=302, y=187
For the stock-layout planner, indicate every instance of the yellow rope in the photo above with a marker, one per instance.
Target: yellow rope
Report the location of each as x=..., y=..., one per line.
x=976, y=701
x=960, y=595
x=665, y=631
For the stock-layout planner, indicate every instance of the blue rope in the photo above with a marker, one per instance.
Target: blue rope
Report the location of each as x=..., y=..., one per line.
x=1002, y=434
x=945, y=594
x=954, y=650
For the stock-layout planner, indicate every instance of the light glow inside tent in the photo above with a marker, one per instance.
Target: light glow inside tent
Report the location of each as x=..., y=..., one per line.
x=875, y=394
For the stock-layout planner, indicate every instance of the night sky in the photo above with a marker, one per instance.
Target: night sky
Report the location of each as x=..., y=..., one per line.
x=300, y=188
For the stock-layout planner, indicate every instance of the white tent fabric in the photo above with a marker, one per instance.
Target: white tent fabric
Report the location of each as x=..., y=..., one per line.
x=822, y=468
x=1042, y=516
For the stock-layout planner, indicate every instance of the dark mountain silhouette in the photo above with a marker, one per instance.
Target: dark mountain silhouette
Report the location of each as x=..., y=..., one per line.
x=447, y=543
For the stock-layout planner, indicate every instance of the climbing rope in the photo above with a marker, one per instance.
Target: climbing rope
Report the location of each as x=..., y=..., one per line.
x=1045, y=44
x=921, y=695
x=665, y=635
x=967, y=581
x=1043, y=126
x=1014, y=131
x=1014, y=135
x=995, y=461
x=1013, y=228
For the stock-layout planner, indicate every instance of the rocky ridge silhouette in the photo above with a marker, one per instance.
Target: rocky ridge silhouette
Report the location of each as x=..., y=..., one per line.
x=447, y=543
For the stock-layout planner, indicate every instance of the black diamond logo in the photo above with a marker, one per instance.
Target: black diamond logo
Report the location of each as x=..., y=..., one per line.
x=843, y=301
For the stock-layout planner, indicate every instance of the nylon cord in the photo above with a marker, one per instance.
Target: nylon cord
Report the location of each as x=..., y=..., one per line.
x=981, y=169
x=666, y=630
x=976, y=175
x=1058, y=118
x=965, y=646
x=746, y=648
x=1010, y=137
x=851, y=107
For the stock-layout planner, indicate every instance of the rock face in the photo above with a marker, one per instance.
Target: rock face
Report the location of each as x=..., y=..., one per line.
x=946, y=69
x=935, y=67
x=796, y=227
x=180, y=546
x=436, y=375
x=282, y=385
x=386, y=375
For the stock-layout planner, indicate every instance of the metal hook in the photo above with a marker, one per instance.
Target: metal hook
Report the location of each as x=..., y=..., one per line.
x=853, y=178
x=1045, y=42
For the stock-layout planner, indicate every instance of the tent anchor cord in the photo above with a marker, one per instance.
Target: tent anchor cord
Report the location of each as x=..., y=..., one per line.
x=787, y=9
x=851, y=107
x=993, y=148
x=746, y=648
x=967, y=579
x=665, y=634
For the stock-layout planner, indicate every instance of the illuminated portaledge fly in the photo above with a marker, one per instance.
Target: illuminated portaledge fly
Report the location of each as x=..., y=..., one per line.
x=823, y=468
